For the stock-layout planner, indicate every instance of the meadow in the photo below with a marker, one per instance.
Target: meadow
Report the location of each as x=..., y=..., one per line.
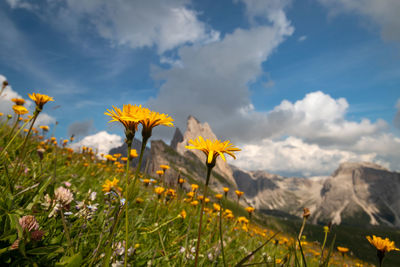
x=61, y=207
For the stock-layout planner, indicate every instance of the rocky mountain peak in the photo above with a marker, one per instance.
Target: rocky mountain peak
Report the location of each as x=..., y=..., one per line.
x=346, y=168
x=176, y=139
x=194, y=129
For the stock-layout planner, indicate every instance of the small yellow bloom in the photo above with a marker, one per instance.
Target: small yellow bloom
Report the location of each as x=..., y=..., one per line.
x=40, y=99
x=160, y=172
x=139, y=200
x=194, y=203
x=213, y=149
x=226, y=189
x=133, y=153
x=218, y=196
x=243, y=220
x=239, y=193
x=342, y=249
x=183, y=214
x=181, y=181
x=216, y=207
x=146, y=182
x=18, y=101
x=190, y=194
x=159, y=190
x=151, y=119
x=20, y=110
x=164, y=167
x=195, y=187
x=108, y=185
x=249, y=209
x=44, y=128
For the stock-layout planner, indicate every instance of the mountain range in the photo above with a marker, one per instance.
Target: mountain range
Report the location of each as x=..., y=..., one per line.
x=356, y=193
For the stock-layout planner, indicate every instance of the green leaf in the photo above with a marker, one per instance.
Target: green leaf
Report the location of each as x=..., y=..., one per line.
x=71, y=261
x=45, y=250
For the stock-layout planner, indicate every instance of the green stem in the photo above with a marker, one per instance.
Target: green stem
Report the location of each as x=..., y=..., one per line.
x=220, y=233
x=323, y=247
x=66, y=230
x=301, y=230
x=129, y=143
x=209, y=168
x=12, y=139
x=144, y=142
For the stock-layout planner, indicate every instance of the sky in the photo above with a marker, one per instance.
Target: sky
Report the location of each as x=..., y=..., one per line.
x=299, y=86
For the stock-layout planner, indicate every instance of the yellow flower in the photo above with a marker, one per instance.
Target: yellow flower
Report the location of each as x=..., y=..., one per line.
x=226, y=189
x=242, y=220
x=20, y=110
x=151, y=119
x=108, y=185
x=146, y=182
x=195, y=187
x=40, y=99
x=218, y=196
x=249, y=209
x=181, y=181
x=239, y=193
x=129, y=116
x=44, y=128
x=159, y=190
x=18, y=101
x=194, y=203
x=133, y=153
x=160, y=172
x=139, y=200
x=190, y=194
x=213, y=149
x=342, y=249
x=383, y=245
x=183, y=214
x=216, y=207
x=164, y=167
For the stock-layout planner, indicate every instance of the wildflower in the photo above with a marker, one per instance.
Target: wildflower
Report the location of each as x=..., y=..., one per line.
x=108, y=185
x=306, y=213
x=164, y=167
x=159, y=190
x=124, y=159
x=326, y=229
x=249, y=209
x=18, y=101
x=63, y=196
x=213, y=149
x=218, y=196
x=129, y=116
x=160, y=172
x=382, y=246
x=216, y=207
x=243, y=220
x=342, y=249
x=20, y=110
x=181, y=181
x=29, y=223
x=226, y=189
x=190, y=194
x=239, y=193
x=44, y=128
x=146, y=182
x=40, y=100
x=183, y=214
x=151, y=119
x=194, y=187
x=133, y=153
x=139, y=200
x=194, y=203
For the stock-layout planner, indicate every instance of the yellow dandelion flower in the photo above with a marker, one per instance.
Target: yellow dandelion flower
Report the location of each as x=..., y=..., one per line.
x=108, y=185
x=133, y=153
x=18, y=101
x=152, y=119
x=383, y=245
x=20, y=110
x=183, y=214
x=216, y=207
x=218, y=196
x=213, y=149
x=249, y=209
x=160, y=172
x=342, y=249
x=194, y=187
x=181, y=181
x=129, y=116
x=239, y=193
x=44, y=128
x=159, y=190
x=194, y=203
x=190, y=194
x=40, y=100
x=226, y=189
x=164, y=167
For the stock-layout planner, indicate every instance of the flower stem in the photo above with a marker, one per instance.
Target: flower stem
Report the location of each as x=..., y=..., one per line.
x=66, y=230
x=144, y=142
x=12, y=139
x=129, y=143
x=209, y=168
x=220, y=233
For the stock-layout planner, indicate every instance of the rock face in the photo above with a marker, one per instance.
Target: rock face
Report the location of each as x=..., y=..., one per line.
x=195, y=129
x=177, y=138
x=355, y=194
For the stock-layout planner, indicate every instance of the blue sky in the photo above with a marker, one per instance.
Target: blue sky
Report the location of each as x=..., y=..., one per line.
x=300, y=86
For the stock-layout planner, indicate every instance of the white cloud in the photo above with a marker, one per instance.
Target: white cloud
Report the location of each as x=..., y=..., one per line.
x=292, y=156
x=21, y=4
x=384, y=13
x=302, y=38
x=164, y=24
x=44, y=119
x=102, y=142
